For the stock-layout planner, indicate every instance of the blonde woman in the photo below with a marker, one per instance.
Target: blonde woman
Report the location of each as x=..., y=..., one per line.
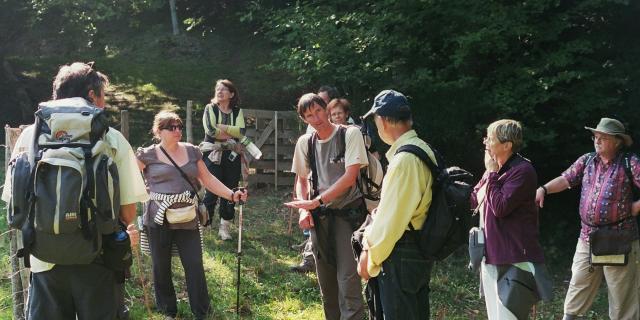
x=509, y=217
x=167, y=221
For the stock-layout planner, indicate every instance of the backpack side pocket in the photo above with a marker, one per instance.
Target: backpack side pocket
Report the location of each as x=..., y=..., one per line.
x=106, y=194
x=18, y=209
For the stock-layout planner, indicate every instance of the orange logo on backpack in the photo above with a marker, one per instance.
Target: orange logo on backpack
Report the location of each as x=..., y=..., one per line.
x=62, y=135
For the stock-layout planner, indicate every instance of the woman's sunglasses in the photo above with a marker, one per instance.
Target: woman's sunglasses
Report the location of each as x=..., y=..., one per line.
x=173, y=127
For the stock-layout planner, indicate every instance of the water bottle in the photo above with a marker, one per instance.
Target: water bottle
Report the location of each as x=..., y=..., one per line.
x=251, y=147
x=120, y=236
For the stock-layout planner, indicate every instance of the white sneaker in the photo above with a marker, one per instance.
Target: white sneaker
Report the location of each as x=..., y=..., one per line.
x=224, y=232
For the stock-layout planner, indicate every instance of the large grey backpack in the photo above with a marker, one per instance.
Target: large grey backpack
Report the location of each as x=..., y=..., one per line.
x=65, y=188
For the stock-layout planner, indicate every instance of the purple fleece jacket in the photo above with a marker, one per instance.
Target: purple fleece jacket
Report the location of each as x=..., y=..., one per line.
x=511, y=214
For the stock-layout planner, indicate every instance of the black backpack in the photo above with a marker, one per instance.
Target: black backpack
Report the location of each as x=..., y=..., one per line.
x=449, y=220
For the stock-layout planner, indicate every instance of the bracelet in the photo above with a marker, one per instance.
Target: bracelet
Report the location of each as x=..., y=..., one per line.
x=232, y=193
x=545, y=189
x=319, y=198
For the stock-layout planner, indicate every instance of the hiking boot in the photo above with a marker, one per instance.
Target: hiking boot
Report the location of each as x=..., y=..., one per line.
x=224, y=232
x=303, y=268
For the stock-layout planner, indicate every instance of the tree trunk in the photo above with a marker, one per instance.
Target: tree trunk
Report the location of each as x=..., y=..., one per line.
x=174, y=16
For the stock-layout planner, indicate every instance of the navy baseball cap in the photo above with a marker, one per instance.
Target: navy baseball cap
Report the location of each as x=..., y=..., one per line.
x=390, y=103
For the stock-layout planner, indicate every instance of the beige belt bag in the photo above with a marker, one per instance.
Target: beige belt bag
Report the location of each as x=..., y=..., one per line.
x=181, y=215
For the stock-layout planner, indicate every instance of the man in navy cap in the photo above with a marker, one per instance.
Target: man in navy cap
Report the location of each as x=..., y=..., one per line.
x=388, y=242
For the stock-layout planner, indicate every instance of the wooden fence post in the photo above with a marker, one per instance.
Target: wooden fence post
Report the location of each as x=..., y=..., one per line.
x=124, y=123
x=17, y=287
x=189, y=121
x=275, y=135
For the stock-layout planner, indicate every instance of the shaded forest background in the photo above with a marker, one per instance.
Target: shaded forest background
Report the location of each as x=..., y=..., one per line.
x=554, y=65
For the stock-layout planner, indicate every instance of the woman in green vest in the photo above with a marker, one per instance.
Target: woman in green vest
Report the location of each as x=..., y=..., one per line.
x=223, y=126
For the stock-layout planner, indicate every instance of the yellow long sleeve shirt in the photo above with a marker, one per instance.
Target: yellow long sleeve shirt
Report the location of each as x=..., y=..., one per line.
x=405, y=197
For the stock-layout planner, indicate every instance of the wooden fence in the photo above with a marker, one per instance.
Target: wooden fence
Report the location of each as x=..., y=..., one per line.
x=19, y=274
x=274, y=132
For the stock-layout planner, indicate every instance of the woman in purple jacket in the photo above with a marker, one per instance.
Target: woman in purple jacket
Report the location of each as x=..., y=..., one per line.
x=509, y=215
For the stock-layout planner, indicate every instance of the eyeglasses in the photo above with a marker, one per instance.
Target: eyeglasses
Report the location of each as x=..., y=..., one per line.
x=173, y=127
x=600, y=138
x=489, y=140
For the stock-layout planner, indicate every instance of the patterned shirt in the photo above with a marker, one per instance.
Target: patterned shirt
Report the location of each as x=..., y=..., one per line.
x=606, y=194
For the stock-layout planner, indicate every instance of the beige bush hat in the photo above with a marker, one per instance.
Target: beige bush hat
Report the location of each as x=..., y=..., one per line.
x=614, y=128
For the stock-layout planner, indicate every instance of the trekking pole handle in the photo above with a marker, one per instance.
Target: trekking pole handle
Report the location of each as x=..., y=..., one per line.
x=242, y=189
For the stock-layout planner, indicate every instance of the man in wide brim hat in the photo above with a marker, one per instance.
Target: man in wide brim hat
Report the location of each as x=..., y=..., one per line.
x=612, y=127
x=606, y=179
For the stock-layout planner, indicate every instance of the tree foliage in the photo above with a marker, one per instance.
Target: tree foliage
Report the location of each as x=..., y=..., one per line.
x=66, y=24
x=554, y=65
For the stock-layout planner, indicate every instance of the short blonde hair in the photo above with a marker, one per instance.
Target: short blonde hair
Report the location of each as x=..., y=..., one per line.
x=507, y=130
x=164, y=119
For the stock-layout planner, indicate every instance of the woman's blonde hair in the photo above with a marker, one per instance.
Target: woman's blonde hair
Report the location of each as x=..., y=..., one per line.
x=507, y=130
x=162, y=120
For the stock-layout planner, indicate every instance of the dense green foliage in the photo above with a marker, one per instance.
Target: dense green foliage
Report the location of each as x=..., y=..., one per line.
x=555, y=65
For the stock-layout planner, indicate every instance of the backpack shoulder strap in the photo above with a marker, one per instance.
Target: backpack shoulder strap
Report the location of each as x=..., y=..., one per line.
x=626, y=160
x=627, y=169
x=589, y=158
x=236, y=112
x=342, y=139
x=311, y=156
x=418, y=152
x=422, y=155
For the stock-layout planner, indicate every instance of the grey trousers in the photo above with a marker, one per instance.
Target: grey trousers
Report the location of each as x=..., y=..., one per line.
x=66, y=292
x=340, y=284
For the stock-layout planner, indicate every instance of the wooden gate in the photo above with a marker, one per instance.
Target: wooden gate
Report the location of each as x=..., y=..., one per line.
x=275, y=133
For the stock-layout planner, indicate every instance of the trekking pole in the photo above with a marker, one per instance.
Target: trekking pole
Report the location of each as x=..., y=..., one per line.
x=239, y=254
x=145, y=293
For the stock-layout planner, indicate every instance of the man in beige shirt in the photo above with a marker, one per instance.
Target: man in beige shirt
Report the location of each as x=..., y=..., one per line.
x=333, y=164
x=85, y=291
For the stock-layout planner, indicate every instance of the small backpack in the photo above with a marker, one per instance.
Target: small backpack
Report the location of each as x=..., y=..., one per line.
x=65, y=189
x=449, y=220
x=369, y=180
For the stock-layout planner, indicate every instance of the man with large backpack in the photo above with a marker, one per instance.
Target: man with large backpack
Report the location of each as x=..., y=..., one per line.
x=389, y=242
x=83, y=183
x=328, y=164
